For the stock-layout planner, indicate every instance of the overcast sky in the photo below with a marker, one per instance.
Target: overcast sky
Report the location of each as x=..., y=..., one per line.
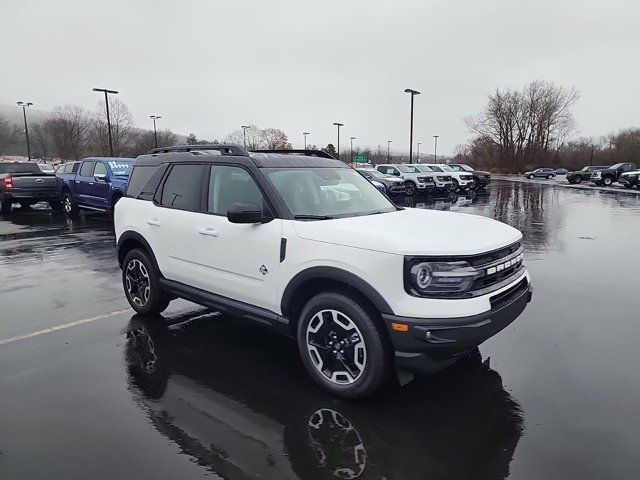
x=210, y=66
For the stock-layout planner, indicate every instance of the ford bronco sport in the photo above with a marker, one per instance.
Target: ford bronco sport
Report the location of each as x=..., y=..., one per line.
x=303, y=243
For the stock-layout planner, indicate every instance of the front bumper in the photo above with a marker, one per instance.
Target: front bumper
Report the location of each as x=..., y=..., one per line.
x=396, y=189
x=448, y=185
x=429, y=344
x=425, y=186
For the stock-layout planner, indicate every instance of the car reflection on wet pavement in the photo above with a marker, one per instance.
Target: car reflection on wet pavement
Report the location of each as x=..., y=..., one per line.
x=89, y=391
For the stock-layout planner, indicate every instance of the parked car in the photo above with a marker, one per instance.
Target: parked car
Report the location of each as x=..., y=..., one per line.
x=480, y=179
x=630, y=179
x=95, y=183
x=583, y=175
x=561, y=171
x=414, y=180
x=609, y=175
x=24, y=183
x=379, y=186
x=393, y=185
x=459, y=180
x=46, y=168
x=548, y=173
x=354, y=279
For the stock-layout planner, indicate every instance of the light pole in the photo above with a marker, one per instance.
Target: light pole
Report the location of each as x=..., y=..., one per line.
x=352, y=139
x=338, y=125
x=418, y=153
x=413, y=94
x=24, y=106
x=304, y=134
x=244, y=135
x=155, y=133
x=435, y=149
x=106, y=102
x=388, y=157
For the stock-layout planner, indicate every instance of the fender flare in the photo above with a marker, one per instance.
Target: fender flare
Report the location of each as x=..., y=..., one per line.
x=135, y=236
x=337, y=274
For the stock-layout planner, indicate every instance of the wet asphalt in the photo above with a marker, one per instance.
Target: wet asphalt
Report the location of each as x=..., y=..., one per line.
x=90, y=391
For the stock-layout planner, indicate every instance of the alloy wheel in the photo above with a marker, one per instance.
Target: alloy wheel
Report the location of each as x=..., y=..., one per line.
x=336, y=347
x=67, y=204
x=137, y=282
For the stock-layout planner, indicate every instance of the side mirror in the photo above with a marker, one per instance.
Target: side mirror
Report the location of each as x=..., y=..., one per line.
x=100, y=177
x=246, y=213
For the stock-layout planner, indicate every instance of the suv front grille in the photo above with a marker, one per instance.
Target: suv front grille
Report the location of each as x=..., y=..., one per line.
x=444, y=178
x=466, y=177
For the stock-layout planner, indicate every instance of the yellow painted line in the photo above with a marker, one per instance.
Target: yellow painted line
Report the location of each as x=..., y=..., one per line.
x=63, y=326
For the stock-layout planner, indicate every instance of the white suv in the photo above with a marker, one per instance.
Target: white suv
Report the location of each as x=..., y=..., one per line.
x=461, y=180
x=414, y=180
x=306, y=245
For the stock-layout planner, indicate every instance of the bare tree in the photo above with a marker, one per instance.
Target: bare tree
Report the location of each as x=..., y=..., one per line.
x=69, y=131
x=123, y=130
x=526, y=125
x=275, y=139
x=146, y=141
x=254, y=138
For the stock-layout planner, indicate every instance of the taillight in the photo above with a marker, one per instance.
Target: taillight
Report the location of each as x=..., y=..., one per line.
x=8, y=182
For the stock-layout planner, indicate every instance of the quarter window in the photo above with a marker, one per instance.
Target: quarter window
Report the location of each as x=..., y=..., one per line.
x=229, y=185
x=182, y=189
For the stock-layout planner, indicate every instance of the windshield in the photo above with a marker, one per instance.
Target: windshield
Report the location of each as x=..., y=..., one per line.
x=120, y=167
x=327, y=192
x=19, y=168
x=446, y=168
x=616, y=166
x=436, y=168
x=407, y=169
x=464, y=167
x=424, y=168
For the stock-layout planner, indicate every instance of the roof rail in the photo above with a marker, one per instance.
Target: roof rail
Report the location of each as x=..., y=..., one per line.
x=306, y=153
x=223, y=149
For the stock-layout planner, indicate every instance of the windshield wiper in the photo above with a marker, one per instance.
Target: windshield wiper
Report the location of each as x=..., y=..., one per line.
x=313, y=217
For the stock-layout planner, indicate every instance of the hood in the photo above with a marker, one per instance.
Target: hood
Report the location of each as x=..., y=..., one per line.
x=413, y=231
x=481, y=172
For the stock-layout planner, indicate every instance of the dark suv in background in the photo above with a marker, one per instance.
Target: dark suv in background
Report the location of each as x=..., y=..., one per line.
x=609, y=175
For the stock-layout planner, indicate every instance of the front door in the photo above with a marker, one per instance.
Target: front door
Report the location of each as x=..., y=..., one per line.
x=97, y=190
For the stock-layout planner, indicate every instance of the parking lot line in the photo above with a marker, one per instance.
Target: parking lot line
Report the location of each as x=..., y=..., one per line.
x=62, y=326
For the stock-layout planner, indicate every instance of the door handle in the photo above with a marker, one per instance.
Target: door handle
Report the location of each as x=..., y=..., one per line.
x=90, y=183
x=154, y=221
x=208, y=231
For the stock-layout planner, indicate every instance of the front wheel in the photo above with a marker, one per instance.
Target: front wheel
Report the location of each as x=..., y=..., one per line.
x=410, y=188
x=607, y=181
x=577, y=180
x=342, y=346
x=140, y=282
x=530, y=177
x=456, y=185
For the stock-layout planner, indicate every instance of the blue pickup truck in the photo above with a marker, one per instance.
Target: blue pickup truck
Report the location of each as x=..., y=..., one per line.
x=95, y=183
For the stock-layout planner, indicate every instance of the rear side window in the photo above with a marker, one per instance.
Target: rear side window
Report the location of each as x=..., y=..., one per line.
x=87, y=169
x=183, y=188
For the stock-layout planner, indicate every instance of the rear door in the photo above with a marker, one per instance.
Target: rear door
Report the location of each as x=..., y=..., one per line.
x=83, y=182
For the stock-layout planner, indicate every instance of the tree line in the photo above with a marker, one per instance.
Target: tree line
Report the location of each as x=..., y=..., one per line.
x=532, y=127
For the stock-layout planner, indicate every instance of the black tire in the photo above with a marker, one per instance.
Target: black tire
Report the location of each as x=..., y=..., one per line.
x=607, y=181
x=530, y=177
x=135, y=281
x=628, y=185
x=456, y=185
x=577, y=179
x=56, y=205
x=410, y=188
x=371, y=346
x=5, y=206
x=549, y=177
x=71, y=210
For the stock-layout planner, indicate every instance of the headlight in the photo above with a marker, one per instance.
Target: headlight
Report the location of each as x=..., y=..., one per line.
x=438, y=278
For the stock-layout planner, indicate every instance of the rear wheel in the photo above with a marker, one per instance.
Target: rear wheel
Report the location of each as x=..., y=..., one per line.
x=549, y=177
x=342, y=347
x=69, y=205
x=5, y=206
x=140, y=282
x=410, y=188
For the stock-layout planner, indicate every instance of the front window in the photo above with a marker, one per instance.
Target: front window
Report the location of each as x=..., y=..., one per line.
x=229, y=185
x=327, y=192
x=587, y=169
x=120, y=168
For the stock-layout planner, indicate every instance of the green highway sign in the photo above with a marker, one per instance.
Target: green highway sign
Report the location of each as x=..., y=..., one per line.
x=360, y=159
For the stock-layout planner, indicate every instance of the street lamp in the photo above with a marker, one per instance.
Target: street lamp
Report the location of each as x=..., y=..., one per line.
x=155, y=133
x=305, y=139
x=338, y=125
x=24, y=106
x=418, y=153
x=352, y=139
x=435, y=149
x=244, y=135
x=388, y=158
x=413, y=94
x=106, y=102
